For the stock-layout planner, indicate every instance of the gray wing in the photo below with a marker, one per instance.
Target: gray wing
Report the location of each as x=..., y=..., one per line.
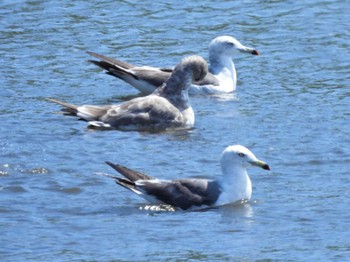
x=107, y=62
x=125, y=71
x=130, y=174
x=182, y=193
x=153, y=76
x=68, y=109
x=143, y=113
x=148, y=112
x=209, y=79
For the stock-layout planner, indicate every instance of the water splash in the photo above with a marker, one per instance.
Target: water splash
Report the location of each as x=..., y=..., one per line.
x=158, y=208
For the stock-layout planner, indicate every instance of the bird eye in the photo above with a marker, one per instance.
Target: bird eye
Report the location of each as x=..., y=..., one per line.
x=241, y=154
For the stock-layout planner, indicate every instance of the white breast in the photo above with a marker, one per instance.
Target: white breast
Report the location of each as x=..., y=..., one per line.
x=188, y=115
x=235, y=190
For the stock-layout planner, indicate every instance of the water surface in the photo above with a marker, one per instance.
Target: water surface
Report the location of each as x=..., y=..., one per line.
x=291, y=109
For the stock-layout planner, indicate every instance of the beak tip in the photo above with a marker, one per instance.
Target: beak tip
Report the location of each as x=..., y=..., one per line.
x=266, y=167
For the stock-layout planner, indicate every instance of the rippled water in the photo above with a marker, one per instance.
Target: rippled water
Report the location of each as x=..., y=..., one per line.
x=291, y=109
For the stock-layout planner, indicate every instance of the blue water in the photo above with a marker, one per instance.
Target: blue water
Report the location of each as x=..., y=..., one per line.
x=291, y=108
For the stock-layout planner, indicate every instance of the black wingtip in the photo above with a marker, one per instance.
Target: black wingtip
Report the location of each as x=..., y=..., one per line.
x=92, y=54
x=94, y=62
x=114, y=166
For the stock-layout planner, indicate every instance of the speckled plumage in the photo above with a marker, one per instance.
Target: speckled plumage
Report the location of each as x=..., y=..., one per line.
x=168, y=107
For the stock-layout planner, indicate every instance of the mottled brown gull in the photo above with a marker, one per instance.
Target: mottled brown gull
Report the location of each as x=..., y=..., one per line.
x=167, y=107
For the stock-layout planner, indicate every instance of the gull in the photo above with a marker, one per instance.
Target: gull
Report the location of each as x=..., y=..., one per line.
x=222, y=77
x=167, y=107
x=233, y=186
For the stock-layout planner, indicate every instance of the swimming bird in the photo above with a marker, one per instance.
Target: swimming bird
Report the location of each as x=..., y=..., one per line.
x=167, y=107
x=221, y=78
x=186, y=193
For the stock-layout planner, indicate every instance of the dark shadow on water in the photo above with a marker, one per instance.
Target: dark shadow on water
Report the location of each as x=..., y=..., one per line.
x=240, y=209
x=178, y=133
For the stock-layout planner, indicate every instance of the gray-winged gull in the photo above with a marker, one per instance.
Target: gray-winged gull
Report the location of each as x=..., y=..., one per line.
x=233, y=186
x=167, y=107
x=221, y=78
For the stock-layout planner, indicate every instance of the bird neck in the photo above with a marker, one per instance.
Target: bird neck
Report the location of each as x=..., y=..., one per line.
x=175, y=90
x=223, y=67
x=220, y=61
x=235, y=185
x=180, y=100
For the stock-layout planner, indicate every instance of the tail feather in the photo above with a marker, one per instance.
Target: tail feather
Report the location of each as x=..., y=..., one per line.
x=92, y=113
x=104, y=65
x=114, y=67
x=121, y=73
x=69, y=109
x=126, y=183
x=132, y=175
x=85, y=112
x=121, y=181
x=111, y=61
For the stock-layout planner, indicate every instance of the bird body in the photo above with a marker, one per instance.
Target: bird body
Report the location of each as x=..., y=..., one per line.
x=221, y=77
x=166, y=108
x=234, y=185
